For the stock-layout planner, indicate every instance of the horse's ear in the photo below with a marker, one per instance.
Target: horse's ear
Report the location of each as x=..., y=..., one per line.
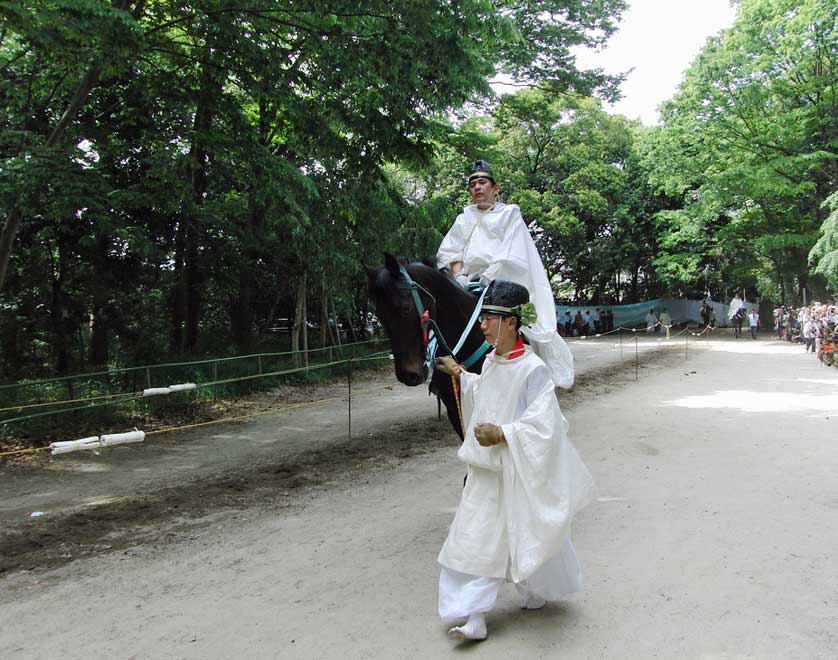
x=372, y=273
x=392, y=264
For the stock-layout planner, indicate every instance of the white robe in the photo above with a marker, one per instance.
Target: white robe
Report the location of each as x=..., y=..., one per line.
x=520, y=496
x=496, y=245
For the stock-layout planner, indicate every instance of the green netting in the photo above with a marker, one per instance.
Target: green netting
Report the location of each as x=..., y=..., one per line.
x=113, y=395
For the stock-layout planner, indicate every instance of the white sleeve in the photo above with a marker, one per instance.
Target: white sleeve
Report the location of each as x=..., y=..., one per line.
x=532, y=435
x=512, y=263
x=452, y=246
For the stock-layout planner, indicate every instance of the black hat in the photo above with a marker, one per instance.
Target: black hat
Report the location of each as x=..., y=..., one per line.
x=478, y=169
x=509, y=299
x=504, y=297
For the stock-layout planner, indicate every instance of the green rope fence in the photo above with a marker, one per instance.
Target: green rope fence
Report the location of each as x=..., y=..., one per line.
x=250, y=373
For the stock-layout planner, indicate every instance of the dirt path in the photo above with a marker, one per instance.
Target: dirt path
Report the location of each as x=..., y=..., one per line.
x=711, y=539
x=380, y=405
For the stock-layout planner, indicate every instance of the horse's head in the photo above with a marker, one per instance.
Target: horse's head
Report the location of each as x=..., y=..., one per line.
x=396, y=309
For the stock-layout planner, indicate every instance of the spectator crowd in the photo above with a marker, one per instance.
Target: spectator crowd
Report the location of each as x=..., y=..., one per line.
x=582, y=325
x=813, y=326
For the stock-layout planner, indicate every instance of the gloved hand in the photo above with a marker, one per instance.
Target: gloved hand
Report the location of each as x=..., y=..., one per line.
x=489, y=435
x=461, y=279
x=447, y=365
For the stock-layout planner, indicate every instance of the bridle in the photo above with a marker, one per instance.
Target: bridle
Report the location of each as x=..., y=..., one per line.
x=432, y=337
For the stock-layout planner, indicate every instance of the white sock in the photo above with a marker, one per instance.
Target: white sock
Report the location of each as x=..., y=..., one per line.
x=474, y=628
x=532, y=602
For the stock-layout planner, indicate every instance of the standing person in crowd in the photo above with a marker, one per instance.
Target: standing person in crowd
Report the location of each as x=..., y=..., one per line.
x=578, y=323
x=705, y=313
x=525, y=480
x=568, y=324
x=651, y=321
x=809, y=331
x=589, y=323
x=597, y=321
x=665, y=321
x=489, y=240
x=779, y=314
x=753, y=322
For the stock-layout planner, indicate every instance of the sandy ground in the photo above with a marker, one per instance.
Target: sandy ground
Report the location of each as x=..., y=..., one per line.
x=80, y=480
x=711, y=539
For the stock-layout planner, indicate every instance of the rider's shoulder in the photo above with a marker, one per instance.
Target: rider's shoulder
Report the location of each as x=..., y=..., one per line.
x=511, y=213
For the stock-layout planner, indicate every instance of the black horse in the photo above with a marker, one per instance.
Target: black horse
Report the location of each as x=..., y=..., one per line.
x=444, y=302
x=738, y=320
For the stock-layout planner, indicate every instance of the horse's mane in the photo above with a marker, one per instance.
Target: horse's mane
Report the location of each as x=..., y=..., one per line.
x=428, y=261
x=424, y=268
x=428, y=264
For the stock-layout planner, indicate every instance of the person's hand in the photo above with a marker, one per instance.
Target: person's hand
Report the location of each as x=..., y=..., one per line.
x=489, y=435
x=447, y=365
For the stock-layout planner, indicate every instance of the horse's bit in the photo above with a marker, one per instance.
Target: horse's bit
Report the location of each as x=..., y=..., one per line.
x=432, y=338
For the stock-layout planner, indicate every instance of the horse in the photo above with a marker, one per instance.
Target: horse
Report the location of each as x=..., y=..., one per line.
x=738, y=319
x=412, y=298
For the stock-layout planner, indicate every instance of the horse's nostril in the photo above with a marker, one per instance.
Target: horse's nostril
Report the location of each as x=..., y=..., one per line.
x=412, y=378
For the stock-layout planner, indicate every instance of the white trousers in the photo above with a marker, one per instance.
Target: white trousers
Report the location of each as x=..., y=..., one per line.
x=461, y=595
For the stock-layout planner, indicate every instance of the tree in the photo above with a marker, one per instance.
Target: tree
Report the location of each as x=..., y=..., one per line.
x=749, y=143
x=824, y=254
x=215, y=137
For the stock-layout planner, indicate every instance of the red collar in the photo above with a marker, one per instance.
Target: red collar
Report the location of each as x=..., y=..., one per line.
x=517, y=350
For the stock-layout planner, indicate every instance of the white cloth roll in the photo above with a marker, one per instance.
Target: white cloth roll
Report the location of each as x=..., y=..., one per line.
x=182, y=387
x=122, y=438
x=156, y=391
x=68, y=443
x=65, y=447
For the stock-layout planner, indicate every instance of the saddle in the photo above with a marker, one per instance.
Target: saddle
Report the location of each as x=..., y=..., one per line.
x=475, y=288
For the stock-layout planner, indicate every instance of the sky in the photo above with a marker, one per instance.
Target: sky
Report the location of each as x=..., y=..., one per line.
x=659, y=39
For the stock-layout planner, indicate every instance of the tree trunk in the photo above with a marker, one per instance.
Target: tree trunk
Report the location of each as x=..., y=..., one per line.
x=269, y=321
x=324, y=312
x=300, y=323
x=305, y=328
x=803, y=283
x=99, y=338
x=100, y=330
x=189, y=297
x=243, y=309
x=335, y=317
x=635, y=274
x=351, y=328
x=58, y=313
x=241, y=312
x=10, y=357
x=179, y=290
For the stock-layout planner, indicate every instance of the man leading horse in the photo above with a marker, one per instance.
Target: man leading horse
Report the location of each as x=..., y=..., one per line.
x=525, y=479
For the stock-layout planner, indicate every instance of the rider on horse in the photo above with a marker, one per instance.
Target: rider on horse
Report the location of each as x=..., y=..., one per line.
x=490, y=240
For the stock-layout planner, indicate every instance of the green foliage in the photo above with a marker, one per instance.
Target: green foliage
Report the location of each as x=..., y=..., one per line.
x=749, y=142
x=824, y=254
x=177, y=167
